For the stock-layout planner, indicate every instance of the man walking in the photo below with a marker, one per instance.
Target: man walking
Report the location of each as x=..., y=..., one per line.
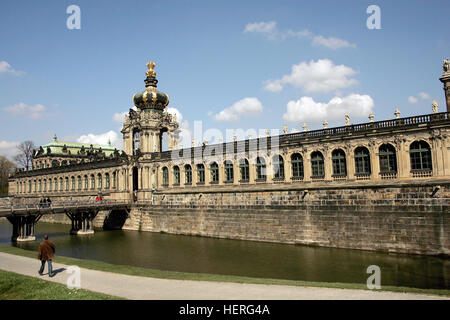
x=46, y=252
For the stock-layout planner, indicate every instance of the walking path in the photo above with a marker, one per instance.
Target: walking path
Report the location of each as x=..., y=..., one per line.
x=133, y=287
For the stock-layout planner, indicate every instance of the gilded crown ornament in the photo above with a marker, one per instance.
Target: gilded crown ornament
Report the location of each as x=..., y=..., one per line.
x=150, y=72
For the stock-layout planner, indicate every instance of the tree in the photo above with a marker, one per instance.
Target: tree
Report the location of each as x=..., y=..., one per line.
x=6, y=167
x=25, y=156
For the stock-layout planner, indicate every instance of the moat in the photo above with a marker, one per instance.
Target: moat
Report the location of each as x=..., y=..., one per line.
x=242, y=258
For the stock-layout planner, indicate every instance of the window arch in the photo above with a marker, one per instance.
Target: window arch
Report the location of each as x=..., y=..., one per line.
x=114, y=179
x=244, y=168
x=214, y=167
x=86, y=183
x=40, y=185
x=50, y=185
x=339, y=162
x=261, y=168
x=200, y=173
x=362, y=161
x=187, y=174
x=388, y=159
x=92, y=182
x=45, y=185
x=420, y=155
x=61, y=184
x=317, y=165
x=72, y=182
x=278, y=167
x=79, y=182
x=297, y=166
x=55, y=186
x=136, y=140
x=165, y=176
x=176, y=175
x=229, y=171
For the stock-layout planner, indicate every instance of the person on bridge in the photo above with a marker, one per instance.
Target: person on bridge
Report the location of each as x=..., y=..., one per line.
x=46, y=253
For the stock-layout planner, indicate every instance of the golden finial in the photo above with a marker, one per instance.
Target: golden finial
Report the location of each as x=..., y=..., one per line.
x=150, y=72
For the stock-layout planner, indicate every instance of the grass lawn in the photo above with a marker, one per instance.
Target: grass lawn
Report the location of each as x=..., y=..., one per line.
x=15, y=286
x=154, y=273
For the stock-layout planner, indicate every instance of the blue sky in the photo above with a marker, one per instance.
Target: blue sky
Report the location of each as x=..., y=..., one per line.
x=226, y=63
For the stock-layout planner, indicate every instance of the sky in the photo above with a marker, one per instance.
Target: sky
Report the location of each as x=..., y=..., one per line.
x=250, y=65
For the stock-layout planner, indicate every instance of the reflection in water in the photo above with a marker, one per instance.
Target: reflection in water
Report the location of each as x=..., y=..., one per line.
x=244, y=258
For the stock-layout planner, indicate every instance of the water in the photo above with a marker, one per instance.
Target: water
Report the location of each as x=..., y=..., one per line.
x=242, y=258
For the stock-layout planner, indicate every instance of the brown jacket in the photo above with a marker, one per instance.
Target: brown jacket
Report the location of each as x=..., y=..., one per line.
x=46, y=250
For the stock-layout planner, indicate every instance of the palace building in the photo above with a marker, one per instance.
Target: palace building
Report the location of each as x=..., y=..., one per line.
x=357, y=166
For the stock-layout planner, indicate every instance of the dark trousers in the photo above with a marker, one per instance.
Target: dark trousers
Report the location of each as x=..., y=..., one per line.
x=50, y=271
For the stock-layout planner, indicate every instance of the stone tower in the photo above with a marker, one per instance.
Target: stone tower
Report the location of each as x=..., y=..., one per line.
x=143, y=128
x=445, y=79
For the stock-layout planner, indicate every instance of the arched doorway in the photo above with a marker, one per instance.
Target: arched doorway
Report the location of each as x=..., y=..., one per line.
x=135, y=179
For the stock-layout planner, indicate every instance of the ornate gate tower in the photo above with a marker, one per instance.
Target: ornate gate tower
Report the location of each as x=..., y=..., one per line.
x=142, y=130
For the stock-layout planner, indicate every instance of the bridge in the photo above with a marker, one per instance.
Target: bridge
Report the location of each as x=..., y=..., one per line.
x=80, y=212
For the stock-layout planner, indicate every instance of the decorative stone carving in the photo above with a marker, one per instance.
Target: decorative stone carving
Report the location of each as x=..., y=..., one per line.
x=434, y=107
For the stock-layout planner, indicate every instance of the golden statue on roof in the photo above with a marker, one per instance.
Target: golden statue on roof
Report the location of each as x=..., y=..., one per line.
x=150, y=72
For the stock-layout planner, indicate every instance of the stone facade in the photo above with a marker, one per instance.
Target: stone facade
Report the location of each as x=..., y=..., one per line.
x=378, y=185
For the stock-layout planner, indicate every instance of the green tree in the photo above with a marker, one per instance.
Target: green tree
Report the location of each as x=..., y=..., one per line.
x=6, y=168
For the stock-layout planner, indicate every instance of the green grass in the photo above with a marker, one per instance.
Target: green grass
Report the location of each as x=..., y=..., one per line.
x=154, y=273
x=15, y=286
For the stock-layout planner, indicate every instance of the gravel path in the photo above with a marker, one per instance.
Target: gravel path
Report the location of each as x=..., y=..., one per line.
x=133, y=287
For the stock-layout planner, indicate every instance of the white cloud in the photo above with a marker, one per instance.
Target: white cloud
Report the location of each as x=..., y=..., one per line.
x=320, y=76
x=332, y=42
x=22, y=109
x=424, y=95
x=8, y=149
x=5, y=67
x=102, y=138
x=244, y=107
x=261, y=27
x=412, y=99
x=270, y=31
x=306, y=109
x=119, y=117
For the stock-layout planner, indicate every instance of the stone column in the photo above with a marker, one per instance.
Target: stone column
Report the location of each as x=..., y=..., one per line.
x=374, y=164
x=306, y=166
x=350, y=158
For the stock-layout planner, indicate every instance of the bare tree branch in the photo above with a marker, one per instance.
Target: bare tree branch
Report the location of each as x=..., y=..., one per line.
x=25, y=156
x=6, y=168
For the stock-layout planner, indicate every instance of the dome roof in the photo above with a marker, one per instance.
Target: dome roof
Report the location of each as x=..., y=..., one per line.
x=151, y=98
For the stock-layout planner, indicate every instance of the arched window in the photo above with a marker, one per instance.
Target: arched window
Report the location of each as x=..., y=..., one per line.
x=92, y=182
x=72, y=183
x=214, y=172
x=79, y=182
x=40, y=186
x=29, y=186
x=245, y=170
x=388, y=159
x=317, y=165
x=107, y=182
x=61, y=184
x=176, y=175
x=55, y=163
x=50, y=185
x=35, y=186
x=55, y=186
x=45, y=185
x=136, y=140
x=114, y=178
x=278, y=167
x=297, y=166
x=66, y=180
x=260, y=168
x=229, y=172
x=420, y=154
x=362, y=161
x=165, y=174
x=99, y=181
x=187, y=174
x=85, y=182
x=339, y=163
x=200, y=173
